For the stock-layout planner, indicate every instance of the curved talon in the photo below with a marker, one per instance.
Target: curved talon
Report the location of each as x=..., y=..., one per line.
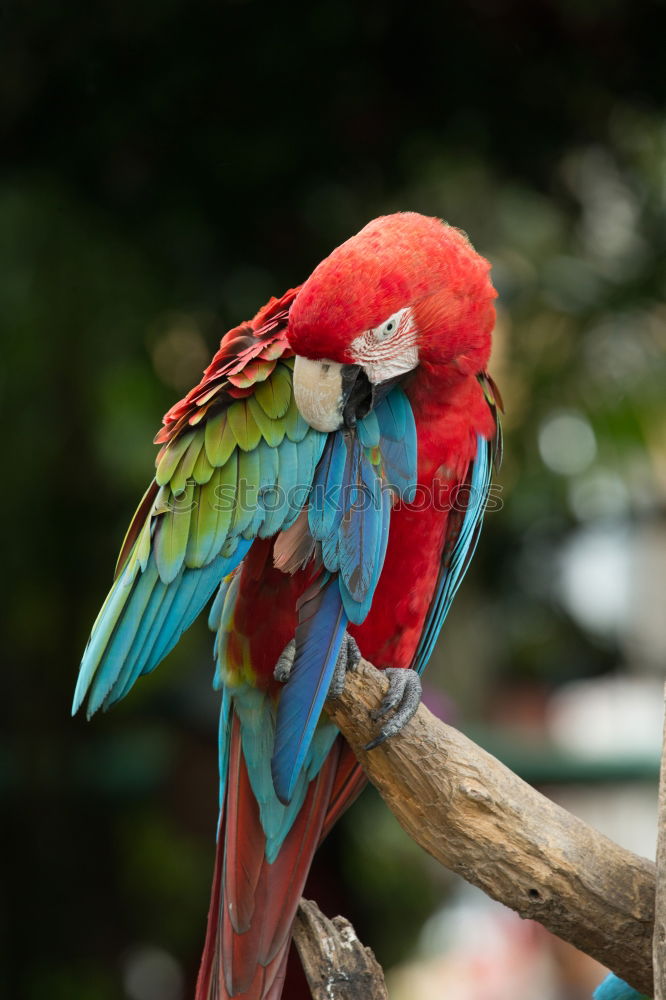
x=285, y=662
x=398, y=679
x=403, y=695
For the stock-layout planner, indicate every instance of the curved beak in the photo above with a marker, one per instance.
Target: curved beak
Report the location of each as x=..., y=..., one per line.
x=330, y=395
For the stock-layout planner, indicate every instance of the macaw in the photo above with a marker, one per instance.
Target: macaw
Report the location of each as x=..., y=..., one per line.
x=326, y=481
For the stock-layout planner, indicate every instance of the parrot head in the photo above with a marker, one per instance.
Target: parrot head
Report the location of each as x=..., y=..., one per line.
x=407, y=295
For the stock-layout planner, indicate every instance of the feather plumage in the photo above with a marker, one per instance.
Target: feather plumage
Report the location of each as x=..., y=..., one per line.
x=220, y=441
x=463, y=535
x=199, y=518
x=398, y=444
x=236, y=506
x=319, y=634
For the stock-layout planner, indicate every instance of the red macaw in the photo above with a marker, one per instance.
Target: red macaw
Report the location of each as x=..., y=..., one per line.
x=327, y=477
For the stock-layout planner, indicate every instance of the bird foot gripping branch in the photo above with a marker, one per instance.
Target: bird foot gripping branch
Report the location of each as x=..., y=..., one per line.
x=348, y=659
x=402, y=698
x=286, y=488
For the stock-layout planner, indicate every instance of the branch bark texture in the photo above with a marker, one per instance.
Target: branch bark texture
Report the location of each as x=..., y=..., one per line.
x=477, y=818
x=336, y=965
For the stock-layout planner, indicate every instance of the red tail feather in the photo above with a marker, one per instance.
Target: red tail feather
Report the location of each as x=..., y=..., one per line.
x=253, y=903
x=348, y=784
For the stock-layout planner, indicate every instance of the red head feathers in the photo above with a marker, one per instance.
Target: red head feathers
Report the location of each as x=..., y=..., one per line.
x=398, y=261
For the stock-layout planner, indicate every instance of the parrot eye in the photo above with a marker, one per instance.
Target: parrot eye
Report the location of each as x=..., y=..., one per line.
x=384, y=331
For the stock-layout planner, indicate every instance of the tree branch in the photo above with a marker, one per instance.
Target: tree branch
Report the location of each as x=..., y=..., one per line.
x=336, y=965
x=479, y=819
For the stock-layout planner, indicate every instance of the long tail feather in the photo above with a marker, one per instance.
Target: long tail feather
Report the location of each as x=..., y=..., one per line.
x=254, y=901
x=350, y=780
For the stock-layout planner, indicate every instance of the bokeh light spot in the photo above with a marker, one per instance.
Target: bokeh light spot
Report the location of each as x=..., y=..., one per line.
x=567, y=443
x=179, y=353
x=151, y=973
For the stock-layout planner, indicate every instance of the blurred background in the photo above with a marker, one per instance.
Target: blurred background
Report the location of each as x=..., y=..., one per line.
x=165, y=167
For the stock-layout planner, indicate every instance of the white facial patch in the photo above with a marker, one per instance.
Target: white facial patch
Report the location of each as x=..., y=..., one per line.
x=390, y=349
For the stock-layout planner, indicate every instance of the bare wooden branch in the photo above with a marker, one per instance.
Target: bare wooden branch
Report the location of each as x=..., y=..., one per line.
x=479, y=819
x=659, y=940
x=336, y=965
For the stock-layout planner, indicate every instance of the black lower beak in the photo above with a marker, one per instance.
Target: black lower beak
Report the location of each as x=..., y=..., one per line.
x=357, y=395
x=360, y=395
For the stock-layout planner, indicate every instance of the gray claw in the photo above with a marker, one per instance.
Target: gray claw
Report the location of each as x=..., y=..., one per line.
x=403, y=695
x=285, y=662
x=349, y=658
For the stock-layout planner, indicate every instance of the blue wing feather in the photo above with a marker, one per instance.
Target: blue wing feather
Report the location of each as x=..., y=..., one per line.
x=223, y=737
x=140, y=622
x=350, y=507
x=146, y=587
x=141, y=645
x=185, y=609
x=174, y=616
x=349, y=514
x=288, y=480
x=360, y=527
x=398, y=443
x=325, y=510
x=319, y=636
x=368, y=430
x=393, y=414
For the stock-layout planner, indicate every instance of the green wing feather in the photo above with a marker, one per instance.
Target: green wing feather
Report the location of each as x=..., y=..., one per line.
x=235, y=440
